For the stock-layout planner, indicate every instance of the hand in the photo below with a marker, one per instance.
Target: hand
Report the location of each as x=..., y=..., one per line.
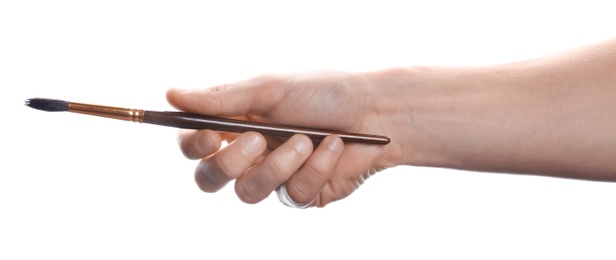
x=259, y=164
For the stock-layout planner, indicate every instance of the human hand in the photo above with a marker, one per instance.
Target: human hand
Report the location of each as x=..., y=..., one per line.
x=311, y=175
x=475, y=118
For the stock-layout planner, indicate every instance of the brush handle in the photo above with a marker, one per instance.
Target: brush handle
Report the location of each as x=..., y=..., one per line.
x=195, y=121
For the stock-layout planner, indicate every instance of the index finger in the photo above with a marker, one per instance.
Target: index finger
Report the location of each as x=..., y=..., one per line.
x=255, y=96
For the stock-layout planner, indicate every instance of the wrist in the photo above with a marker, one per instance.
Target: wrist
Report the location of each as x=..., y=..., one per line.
x=432, y=113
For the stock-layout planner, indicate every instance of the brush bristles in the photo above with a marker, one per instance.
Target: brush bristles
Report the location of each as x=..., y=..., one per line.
x=46, y=104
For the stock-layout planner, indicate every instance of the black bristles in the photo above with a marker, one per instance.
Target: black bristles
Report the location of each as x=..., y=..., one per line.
x=46, y=104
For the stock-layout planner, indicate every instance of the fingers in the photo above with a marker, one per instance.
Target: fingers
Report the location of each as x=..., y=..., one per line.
x=213, y=172
x=303, y=171
x=255, y=96
x=198, y=144
x=259, y=181
x=305, y=185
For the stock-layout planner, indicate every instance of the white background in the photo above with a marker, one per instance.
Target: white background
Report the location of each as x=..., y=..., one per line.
x=76, y=187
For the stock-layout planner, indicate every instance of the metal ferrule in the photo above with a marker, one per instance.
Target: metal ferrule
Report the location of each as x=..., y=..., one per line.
x=128, y=114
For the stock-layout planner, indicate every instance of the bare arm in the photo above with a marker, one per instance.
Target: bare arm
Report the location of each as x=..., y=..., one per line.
x=551, y=116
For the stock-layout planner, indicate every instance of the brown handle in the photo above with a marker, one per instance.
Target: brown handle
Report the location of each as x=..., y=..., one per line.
x=195, y=121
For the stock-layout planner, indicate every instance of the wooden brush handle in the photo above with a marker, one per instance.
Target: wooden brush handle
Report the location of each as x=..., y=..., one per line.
x=195, y=121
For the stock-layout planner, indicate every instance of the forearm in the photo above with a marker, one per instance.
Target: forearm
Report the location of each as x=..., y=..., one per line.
x=552, y=116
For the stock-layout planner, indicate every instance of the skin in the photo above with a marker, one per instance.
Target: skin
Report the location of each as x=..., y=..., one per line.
x=552, y=116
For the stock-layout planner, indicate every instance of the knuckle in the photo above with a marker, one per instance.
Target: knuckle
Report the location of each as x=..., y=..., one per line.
x=317, y=170
x=276, y=170
x=219, y=88
x=224, y=167
x=247, y=193
x=305, y=189
x=301, y=193
x=220, y=103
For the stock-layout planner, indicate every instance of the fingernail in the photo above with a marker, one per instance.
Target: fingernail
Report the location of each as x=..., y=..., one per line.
x=334, y=144
x=303, y=145
x=250, y=143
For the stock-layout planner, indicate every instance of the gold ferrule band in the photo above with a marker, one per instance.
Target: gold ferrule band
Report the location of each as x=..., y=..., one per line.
x=128, y=114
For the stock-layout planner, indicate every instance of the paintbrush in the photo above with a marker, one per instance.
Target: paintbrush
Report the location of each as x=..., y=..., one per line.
x=196, y=121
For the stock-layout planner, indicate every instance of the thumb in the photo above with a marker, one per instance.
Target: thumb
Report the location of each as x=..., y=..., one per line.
x=257, y=96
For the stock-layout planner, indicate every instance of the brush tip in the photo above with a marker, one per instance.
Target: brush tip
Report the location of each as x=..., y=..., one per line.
x=46, y=104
